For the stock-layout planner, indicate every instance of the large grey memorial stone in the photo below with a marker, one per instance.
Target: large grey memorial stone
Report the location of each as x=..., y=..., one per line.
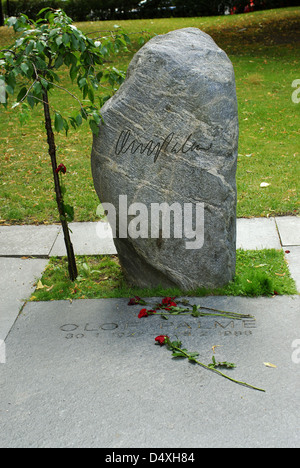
x=88, y=374
x=168, y=146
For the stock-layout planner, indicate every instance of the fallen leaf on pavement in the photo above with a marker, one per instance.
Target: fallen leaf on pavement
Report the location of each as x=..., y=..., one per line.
x=268, y=364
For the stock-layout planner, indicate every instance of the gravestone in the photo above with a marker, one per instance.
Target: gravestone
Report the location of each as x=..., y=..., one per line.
x=164, y=164
x=89, y=374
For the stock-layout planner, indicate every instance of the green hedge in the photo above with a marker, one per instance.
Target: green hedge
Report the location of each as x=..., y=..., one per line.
x=30, y=7
x=82, y=10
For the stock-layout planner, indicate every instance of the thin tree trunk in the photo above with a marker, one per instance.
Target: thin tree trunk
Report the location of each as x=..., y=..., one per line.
x=1, y=14
x=59, y=198
x=8, y=8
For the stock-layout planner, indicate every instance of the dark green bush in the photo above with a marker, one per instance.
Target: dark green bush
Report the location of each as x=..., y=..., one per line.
x=83, y=10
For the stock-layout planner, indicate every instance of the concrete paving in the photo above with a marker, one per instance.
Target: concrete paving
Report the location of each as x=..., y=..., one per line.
x=96, y=238
x=22, y=241
x=16, y=286
x=257, y=233
x=289, y=230
x=88, y=374
x=87, y=239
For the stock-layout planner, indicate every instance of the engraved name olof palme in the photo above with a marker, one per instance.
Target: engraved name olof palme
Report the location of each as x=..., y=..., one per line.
x=127, y=143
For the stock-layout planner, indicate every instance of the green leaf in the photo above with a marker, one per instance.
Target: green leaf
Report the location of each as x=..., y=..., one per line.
x=59, y=40
x=58, y=122
x=193, y=356
x=196, y=312
x=30, y=47
x=79, y=120
x=85, y=91
x=54, y=32
x=43, y=11
x=91, y=95
x=75, y=42
x=31, y=101
x=53, y=76
x=178, y=354
x=66, y=38
x=73, y=72
x=37, y=89
x=11, y=21
x=59, y=61
x=11, y=80
x=22, y=94
x=69, y=211
x=70, y=59
x=10, y=89
x=82, y=82
x=66, y=126
x=94, y=127
x=176, y=344
x=73, y=123
x=40, y=47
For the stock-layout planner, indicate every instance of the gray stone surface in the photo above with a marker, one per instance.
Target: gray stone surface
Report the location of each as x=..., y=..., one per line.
x=289, y=230
x=27, y=240
x=88, y=374
x=16, y=286
x=257, y=234
x=171, y=136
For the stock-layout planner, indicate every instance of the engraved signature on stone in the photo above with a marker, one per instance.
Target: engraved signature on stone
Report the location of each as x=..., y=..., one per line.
x=126, y=143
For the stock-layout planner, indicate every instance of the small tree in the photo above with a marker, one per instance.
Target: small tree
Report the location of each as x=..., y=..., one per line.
x=1, y=14
x=30, y=68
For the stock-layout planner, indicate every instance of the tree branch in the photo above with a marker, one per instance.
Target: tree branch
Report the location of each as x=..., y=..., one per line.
x=68, y=92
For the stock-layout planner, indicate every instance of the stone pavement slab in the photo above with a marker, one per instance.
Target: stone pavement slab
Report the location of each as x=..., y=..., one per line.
x=27, y=240
x=96, y=238
x=88, y=374
x=16, y=286
x=289, y=230
x=257, y=233
x=87, y=239
x=293, y=260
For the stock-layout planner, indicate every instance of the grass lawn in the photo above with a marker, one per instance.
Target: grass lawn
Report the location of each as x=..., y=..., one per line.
x=264, y=49
x=258, y=273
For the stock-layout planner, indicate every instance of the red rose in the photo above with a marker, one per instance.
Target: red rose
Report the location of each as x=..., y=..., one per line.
x=169, y=301
x=143, y=313
x=161, y=339
x=134, y=301
x=61, y=168
x=166, y=300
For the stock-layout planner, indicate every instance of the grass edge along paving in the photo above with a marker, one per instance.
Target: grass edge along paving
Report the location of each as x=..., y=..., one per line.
x=258, y=273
